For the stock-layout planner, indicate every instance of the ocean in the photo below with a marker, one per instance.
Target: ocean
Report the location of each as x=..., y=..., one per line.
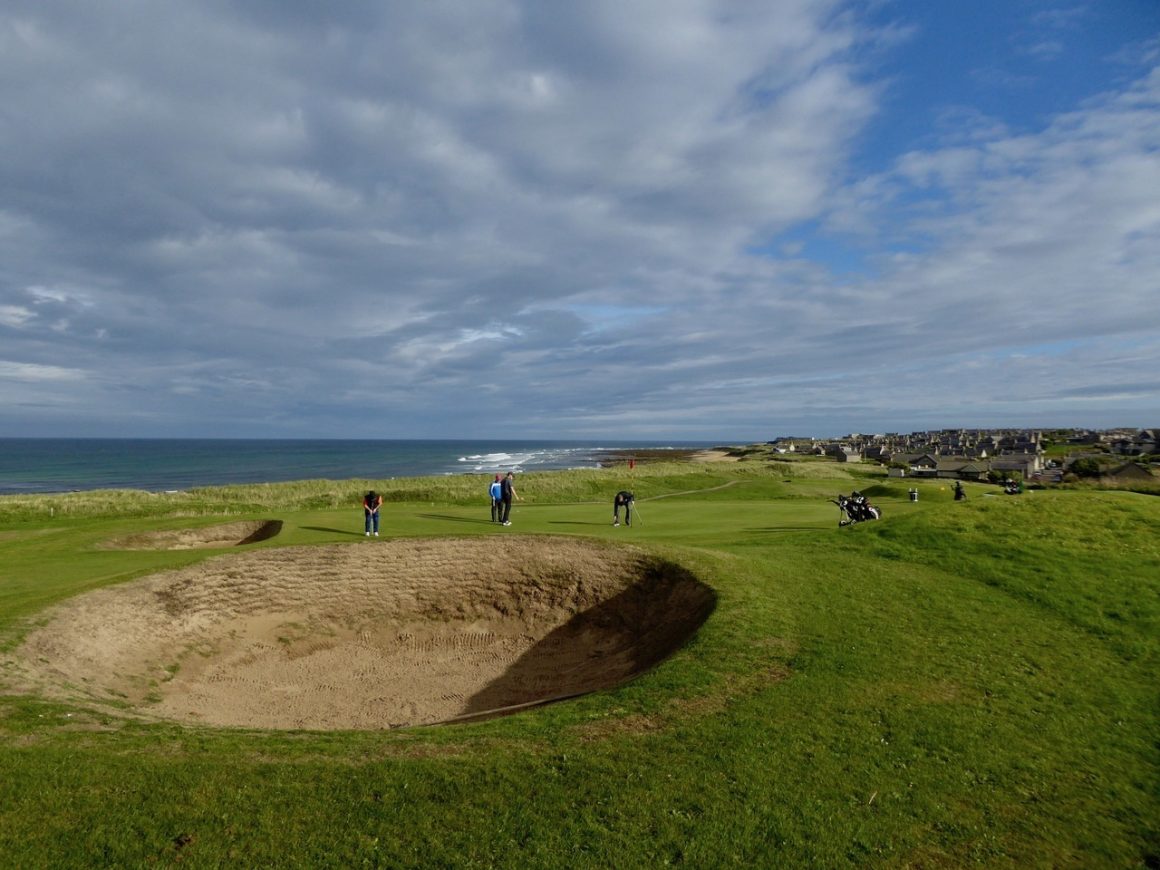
x=46, y=465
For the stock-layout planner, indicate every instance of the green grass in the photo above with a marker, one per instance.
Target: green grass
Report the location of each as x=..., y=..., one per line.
x=958, y=684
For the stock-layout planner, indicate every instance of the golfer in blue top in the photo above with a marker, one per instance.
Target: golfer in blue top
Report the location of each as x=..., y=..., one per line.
x=495, y=491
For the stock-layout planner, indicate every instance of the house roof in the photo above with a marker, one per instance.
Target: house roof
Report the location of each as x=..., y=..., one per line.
x=1130, y=471
x=954, y=463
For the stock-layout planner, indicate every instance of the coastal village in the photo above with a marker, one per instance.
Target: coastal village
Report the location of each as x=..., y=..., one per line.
x=1032, y=455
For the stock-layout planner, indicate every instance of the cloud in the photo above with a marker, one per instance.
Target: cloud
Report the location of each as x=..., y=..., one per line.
x=31, y=373
x=1055, y=230
x=515, y=218
x=14, y=316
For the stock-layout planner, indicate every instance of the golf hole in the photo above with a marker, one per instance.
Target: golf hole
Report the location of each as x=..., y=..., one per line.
x=368, y=636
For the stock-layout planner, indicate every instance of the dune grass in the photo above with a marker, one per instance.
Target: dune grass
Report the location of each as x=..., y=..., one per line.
x=958, y=684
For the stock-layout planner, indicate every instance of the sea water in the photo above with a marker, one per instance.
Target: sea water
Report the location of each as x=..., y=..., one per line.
x=37, y=465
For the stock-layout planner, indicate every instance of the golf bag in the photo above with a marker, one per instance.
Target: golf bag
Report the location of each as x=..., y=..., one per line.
x=856, y=508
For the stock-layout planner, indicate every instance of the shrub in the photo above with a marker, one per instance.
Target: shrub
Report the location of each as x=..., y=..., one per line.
x=1088, y=466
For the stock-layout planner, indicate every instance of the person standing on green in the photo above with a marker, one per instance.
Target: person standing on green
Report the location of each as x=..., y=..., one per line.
x=507, y=493
x=372, y=501
x=495, y=491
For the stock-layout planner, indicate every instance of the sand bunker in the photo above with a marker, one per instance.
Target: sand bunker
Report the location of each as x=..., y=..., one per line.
x=226, y=535
x=370, y=635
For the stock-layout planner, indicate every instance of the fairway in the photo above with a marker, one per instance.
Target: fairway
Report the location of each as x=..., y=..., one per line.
x=740, y=683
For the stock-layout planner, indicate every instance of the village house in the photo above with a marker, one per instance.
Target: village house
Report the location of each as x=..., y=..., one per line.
x=1027, y=464
x=970, y=454
x=961, y=468
x=843, y=453
x=1142, y=443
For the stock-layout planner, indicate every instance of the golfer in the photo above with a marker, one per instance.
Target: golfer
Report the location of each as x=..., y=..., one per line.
x=372, y=501
x=507, y=492
x=495, y=492
x=624, y=499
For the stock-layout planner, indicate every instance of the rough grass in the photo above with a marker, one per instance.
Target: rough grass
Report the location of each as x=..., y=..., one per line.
x=648, y=479
x=959, y=684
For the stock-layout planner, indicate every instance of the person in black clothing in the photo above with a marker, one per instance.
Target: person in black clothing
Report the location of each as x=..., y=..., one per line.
x=372, y=501
x=507, y=493
x=624, y=499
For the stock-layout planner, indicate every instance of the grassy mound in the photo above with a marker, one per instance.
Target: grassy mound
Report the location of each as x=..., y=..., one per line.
x=967, y=683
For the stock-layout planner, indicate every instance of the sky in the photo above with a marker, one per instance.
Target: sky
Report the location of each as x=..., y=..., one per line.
x=649, y=220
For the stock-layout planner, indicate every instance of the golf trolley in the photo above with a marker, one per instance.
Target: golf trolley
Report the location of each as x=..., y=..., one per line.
x=855, y=508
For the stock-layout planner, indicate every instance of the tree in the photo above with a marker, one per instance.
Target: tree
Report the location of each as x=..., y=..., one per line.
x=1086, y=466
x=996, y=476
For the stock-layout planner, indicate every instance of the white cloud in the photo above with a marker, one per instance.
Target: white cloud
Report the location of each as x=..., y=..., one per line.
x=33, y=373
x=15, y=316
x=542, y=214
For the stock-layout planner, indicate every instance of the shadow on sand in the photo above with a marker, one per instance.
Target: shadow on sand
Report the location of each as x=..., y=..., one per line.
x=603, y=646
x=264, y=532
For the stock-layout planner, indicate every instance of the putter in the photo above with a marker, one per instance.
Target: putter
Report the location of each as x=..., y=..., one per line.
x=636, y=511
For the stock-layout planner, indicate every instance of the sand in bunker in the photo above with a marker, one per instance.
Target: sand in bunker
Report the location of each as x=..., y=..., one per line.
x=227, y=535
x=371, y=635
